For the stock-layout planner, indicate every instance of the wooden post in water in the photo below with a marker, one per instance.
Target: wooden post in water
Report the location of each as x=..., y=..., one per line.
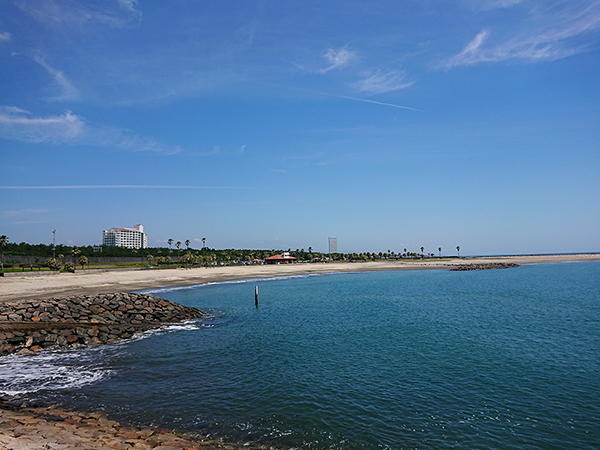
x=256, y=296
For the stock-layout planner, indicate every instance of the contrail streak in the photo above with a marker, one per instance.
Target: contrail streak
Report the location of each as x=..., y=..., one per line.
x=116, y=186
x=357, y=99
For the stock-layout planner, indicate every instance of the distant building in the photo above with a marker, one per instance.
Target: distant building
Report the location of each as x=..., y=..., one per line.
x=332, y=245
x=125, y=237
x=284, y=258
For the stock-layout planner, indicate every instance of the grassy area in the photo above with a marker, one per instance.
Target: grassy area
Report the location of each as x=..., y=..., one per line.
x=9, y=268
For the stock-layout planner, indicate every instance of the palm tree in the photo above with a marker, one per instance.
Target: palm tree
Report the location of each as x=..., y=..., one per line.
x=458, y=250
x=3, y=243
x=83, y=261
x=178, y=245
x=203, y=242
x=187, y=259
x=170, y=242
x=422, y=250
x=53, y=264
x=440, y=250
x=187, y=244
x=75, y=252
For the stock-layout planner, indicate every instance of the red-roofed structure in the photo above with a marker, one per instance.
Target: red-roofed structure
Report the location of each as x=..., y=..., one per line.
x=284, y=258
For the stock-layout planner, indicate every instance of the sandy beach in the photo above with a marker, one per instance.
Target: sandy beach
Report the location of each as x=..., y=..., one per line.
x=40, y=286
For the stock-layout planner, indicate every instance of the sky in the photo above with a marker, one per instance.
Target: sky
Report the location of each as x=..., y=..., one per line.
x=272, y=125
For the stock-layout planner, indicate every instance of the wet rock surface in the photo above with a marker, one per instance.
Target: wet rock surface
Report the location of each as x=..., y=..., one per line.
x=83, y=320
x=484, y=266
x=33, y=428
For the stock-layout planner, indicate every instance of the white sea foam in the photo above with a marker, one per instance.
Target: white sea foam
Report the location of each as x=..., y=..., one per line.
x=71, y=369
x=50, y=371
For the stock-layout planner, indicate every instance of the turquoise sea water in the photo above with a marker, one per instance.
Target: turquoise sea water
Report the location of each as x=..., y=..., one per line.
x=497, y=359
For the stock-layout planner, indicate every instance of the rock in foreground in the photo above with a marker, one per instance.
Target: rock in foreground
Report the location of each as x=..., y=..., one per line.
x=35, y=428
x=79, y=321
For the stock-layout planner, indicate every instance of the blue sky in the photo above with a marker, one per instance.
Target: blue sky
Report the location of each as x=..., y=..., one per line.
x=268, y=124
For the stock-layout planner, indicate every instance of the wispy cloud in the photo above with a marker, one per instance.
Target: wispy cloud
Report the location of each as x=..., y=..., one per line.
x=129, y=5
x=470, y=54
x=558, y=34
x=384, y=81
x=489, y=4
x=17, y=124
x=112, y=186
x=66, y=89
x=338, y=59
x=68, y=128
x=5, y=36
x=24, y=212
x=66, y=13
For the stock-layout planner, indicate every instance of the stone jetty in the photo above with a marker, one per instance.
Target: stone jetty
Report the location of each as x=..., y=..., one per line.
x=83, y=320
x=484, y=266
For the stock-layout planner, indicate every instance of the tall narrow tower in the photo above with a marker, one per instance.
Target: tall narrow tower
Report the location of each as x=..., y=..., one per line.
x=333, y=245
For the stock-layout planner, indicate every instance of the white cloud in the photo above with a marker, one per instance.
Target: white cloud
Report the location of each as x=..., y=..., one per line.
x=500, y=3
x=558, y=33
x=66, y=90
x=384, y=81
x=338, y=58
x=5, y=37
x=128, y=5
x=470, y=54
x=17, y=124
x=64, y=13
x=68, y=128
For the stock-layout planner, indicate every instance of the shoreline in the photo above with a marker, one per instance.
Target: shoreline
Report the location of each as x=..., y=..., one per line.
x=66, y=284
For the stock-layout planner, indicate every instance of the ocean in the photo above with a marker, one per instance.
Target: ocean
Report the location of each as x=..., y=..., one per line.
x=422, y=359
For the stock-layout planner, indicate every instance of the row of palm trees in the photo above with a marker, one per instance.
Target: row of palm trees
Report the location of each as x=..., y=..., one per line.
x=51, y=262
x=187, y=244
x=187, y=259
x=69, y=266
x=439, y=250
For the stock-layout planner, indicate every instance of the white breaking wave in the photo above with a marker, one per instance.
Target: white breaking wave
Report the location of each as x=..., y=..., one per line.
x=71, y=369
x=50, y=371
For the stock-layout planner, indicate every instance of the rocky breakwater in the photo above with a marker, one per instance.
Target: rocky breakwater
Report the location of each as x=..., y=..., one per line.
x=484, y=266
x=79, y=321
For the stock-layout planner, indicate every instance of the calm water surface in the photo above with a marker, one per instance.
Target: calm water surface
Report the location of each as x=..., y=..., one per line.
x=433, y=359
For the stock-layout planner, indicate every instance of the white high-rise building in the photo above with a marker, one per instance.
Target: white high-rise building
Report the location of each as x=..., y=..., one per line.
x=332, y=245
x=125, y=237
